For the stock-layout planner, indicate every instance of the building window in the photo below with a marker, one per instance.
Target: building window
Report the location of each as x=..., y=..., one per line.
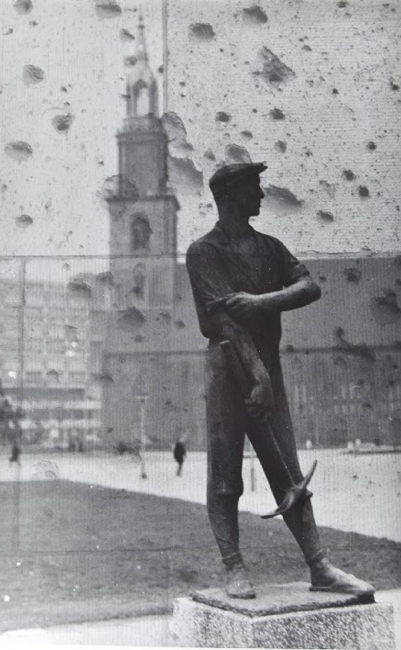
x=138, y=288
x=140, y=233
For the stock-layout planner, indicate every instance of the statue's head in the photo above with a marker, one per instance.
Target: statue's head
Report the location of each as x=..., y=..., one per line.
x=238, y=185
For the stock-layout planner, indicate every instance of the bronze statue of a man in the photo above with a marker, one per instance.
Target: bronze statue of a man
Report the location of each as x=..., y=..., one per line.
x=242, y=280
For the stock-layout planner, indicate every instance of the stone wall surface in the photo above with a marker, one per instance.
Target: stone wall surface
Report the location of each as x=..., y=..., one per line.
x=310, y=87
x=62, y=99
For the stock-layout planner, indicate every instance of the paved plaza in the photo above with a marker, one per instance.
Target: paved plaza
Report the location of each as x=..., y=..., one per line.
x=359, y=493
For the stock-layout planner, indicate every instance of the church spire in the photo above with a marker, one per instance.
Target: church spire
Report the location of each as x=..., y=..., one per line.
x=141, y=51
x=142, y=95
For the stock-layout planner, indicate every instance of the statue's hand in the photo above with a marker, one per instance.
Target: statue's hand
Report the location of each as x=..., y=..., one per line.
x=261, y=401
x=242, y=304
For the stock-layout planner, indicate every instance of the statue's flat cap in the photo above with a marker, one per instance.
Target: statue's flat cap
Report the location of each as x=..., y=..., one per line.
x=230, y=175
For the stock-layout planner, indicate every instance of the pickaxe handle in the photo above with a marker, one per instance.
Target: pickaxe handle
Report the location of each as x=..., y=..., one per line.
x=266, y=446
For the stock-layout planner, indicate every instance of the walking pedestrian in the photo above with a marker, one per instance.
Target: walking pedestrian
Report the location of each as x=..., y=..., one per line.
x=179, y=454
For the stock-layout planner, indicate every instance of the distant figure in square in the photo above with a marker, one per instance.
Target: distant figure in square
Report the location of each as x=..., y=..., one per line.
x=179, y=454
x=15, y=437
x=15, y=454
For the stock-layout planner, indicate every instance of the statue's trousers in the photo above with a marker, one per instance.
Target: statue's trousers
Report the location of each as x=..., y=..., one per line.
x=227, y=423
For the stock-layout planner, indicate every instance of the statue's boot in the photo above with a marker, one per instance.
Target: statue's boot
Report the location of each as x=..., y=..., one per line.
x=326, y=577
x=238, y=584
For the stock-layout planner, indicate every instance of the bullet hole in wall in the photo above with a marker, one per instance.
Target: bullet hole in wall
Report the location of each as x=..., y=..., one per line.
x=255, y=14
x=202, y=31
x=247, y=134
x=24, y=220
x=183, y=173
x=325, y=216
x=103, y=377
x=236, y=154
x=348, y=175
x=23, y=6
x=334, y=91
x=176, y=132
x=330, y=188
x=32, y=74
x=277, y=114
x=125, y=35
x=62, y=122
x=105, y=277
x=283, y=195
x=79, y=288
x=131, y=319
x=356, y=349
x=372, y=146
x=19, y=150
x=221, y=116
x=274, y=71
x=280, y=145
x=363, y=191
x=353, y=275
x=108, y=9
x=388, y=302
x=209, y=155
x=394, y=86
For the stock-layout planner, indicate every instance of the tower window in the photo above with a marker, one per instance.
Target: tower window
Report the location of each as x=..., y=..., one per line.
x=141, y=99
x=140, y=233
x=138, y=288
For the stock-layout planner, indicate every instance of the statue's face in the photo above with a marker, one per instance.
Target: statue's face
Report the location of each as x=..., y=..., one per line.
x=248, y=195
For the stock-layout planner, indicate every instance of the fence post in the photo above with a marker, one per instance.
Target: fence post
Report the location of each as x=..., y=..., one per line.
x=20, y=400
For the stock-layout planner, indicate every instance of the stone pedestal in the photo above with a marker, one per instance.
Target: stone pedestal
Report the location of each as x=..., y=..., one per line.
x=283, y=616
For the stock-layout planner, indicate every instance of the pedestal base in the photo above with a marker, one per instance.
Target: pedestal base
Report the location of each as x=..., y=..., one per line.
x=282, y=616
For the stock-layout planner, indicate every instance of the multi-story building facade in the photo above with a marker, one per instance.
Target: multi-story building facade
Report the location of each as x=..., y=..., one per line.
x=46, y=363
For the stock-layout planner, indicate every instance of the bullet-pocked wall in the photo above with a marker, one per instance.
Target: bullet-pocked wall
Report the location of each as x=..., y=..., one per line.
x=62, y=99
x=312, y=87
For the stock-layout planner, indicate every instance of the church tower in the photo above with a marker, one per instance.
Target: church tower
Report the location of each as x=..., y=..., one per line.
x=143, y=265
x=143, y=211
